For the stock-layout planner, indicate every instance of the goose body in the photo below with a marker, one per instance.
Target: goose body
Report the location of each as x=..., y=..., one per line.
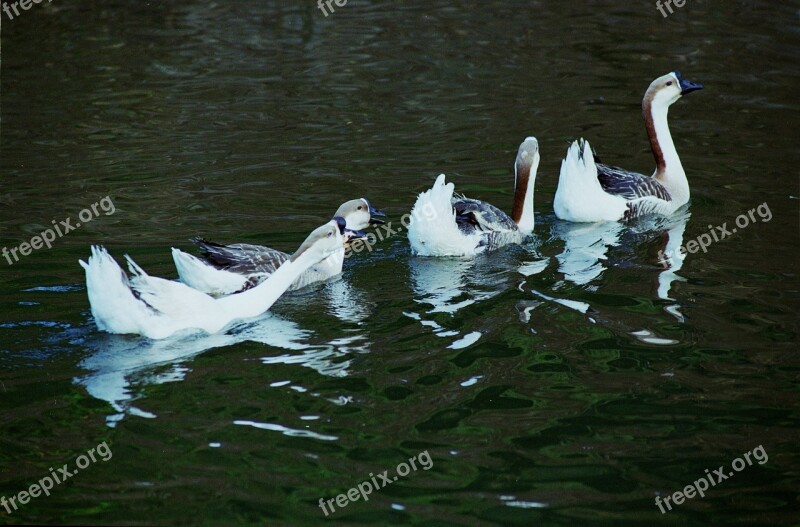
x=157, y=308
x=589, y=191
x=228, y=269
x=445, y=224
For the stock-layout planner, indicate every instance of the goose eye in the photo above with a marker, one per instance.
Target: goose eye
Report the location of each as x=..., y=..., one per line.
x=330, y=233
x=669, y=83
x=360, y=207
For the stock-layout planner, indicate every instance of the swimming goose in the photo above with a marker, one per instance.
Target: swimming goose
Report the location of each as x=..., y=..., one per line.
x=157, y=308
x=228, y=269
x=589, y=191
x=444, y=224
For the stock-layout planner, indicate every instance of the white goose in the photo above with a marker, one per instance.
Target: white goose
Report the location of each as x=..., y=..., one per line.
x=228, y=269
x=157, y=308
x=446, y=225
x=590, y=192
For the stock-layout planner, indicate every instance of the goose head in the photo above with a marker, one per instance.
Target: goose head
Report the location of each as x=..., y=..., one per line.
x=525, y=167
x=323, y=241
x=527, y=159
x=668, y=88
x=360, y=214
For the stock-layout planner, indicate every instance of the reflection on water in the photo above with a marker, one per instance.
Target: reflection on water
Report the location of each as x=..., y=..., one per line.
x=448, y=285
x=441, y=282
x=119, y=365
x=585, y=248
x=346, y=302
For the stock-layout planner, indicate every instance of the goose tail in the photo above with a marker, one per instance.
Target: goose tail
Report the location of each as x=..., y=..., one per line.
x=433, y=223
x=114, y=305
x=579, y=196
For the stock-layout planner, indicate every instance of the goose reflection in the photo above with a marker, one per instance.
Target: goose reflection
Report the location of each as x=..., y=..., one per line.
x=585, y=256
x=447, y=285
x=586, y=246
x=675, y=228
x=532, y=267
x=346, y=302
x=120, y=367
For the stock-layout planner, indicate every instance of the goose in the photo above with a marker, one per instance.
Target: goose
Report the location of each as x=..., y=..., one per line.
x=229, y=269
x=590, y=192
x=444, y=224
x=157, y=308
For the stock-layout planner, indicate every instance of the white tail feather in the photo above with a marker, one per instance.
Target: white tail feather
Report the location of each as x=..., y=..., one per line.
x=110, y=294
x=579, y=196
x=433, y=230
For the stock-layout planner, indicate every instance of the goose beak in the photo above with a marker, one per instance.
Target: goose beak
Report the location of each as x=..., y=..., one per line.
x=375, y=216
x=351, y=236
x=687, y=86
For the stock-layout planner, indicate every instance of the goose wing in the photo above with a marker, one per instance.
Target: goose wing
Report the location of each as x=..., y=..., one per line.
x=475, y=215
x=630, y=185
x=242, y=258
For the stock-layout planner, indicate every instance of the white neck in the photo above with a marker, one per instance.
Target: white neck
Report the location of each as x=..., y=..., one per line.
x=524, y=181
x=258, y=300
x=669, y=170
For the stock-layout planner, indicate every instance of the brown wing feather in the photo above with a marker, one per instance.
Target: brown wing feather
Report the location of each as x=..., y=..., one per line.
x=241, y=258
x=630, y=185
x=472, y=214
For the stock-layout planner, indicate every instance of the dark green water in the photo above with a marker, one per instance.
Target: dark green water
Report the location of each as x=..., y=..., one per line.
x=571, y=380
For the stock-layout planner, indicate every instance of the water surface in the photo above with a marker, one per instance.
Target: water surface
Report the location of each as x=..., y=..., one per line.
x=572, y=379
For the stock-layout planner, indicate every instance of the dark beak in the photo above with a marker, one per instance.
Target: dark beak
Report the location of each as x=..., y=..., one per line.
x=350, y=235
x=341, y=223
x=375, y=215
x=687, y=86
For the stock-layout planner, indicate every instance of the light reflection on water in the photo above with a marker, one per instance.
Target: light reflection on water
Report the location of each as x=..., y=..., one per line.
x=119, y=364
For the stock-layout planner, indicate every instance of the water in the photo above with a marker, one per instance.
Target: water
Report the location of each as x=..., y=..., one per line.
x=573, y=379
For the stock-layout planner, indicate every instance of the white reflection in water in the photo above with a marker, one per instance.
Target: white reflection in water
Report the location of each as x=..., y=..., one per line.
x=585, y=248
x=675, y=230
x=534, y=267
x=347, y=303
x=466, y=341
x=440, y=281
x=448, y=285
x=119, y=364
x=291, y=432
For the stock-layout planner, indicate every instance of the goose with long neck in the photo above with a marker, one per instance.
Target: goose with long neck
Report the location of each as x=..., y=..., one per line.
x=157, y=308
x=589, y=191
x=233, y=268
x=445, y=224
